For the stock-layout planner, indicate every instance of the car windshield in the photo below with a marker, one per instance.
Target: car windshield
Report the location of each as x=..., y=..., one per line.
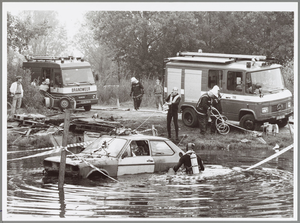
x=78, y=76
x=106, y=146
x=268, y=81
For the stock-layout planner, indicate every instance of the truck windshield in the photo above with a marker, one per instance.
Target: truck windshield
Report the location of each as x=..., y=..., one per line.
x=77, y=76
x=269, y=81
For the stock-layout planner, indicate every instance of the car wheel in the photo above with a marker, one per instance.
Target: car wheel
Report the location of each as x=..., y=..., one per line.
x=248, y=122
x=64, y=103
x=282, y=122
x=87, y=107
x=189, y=117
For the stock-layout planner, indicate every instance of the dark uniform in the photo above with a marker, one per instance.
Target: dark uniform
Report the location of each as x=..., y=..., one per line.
x=205, y=101
x=137, y=91
x=186, y=160
x=173, y=113
x=216, y=103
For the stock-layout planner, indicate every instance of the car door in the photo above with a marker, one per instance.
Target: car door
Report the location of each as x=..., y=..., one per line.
x=132, y=162
x=164, y=155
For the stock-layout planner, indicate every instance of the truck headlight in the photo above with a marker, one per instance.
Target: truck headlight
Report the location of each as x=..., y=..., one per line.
x=289, y=104
x=265, y=110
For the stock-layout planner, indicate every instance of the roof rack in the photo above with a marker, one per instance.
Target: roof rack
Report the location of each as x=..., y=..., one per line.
x=51, y=58
x=203, y=59
x=220, y=55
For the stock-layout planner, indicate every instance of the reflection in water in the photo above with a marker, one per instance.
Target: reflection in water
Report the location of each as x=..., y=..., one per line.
x=61, y=195
x=259, y=193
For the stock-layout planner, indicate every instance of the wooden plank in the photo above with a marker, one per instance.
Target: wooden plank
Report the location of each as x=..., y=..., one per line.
x=62, y=165
x=271, y=157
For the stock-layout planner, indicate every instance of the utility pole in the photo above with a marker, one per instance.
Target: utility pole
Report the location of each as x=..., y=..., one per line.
x=62, y=166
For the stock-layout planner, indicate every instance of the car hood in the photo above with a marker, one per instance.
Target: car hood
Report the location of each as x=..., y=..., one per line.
x=78, y=159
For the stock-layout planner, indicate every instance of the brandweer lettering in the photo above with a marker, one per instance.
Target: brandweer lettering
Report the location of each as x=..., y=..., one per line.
x=81, y=89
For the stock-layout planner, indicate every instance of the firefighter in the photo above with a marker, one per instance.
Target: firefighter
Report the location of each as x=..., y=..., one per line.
x=137, y=92
x=186, y=160
x=203, y=106
x=173, y=101
x=216, y=103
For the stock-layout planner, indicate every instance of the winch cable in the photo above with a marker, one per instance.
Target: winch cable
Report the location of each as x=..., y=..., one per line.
x=91, y=165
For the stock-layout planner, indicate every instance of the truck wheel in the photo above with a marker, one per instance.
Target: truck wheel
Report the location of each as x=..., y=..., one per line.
x=189, y=117
x=87, y=107
x=248, y=122
x=64, y=103
x=282, y=122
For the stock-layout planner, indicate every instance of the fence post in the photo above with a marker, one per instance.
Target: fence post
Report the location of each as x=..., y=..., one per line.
x=62, y=166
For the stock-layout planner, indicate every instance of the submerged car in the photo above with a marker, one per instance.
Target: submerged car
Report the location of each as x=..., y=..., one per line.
x=119, y=155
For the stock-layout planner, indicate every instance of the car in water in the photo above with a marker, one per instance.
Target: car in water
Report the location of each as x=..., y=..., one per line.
x=119, y=155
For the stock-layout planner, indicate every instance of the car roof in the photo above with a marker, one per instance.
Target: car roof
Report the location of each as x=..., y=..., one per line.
x=138, y=137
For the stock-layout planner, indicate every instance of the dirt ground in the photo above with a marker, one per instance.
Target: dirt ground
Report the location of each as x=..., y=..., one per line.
x=142, y=121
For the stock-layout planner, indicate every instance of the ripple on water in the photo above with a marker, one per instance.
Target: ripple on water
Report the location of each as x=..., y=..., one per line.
x=257, y=193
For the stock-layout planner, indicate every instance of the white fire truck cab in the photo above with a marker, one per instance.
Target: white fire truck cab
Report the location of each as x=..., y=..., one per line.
x=252, y=87
x=72, y=83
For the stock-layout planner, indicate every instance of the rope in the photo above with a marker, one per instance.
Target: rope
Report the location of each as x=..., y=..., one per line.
x=54, y=150
x=221, y=123
x=91, y=165
x=145, y=121
x=223, y=126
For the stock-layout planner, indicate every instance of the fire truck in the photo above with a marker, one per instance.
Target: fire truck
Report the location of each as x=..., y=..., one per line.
x=72, y=83
x=252, y=87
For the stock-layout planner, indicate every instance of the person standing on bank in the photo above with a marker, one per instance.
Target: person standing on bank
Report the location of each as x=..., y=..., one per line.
x=158, y=91
x=137, y=92
x=173, y=101
x=16, y=91
x=203, y=105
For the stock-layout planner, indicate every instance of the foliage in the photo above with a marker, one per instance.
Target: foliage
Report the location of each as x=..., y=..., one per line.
x=20, y=32
x=54, y=41
x=142, y=39
x=288, y=75
x=98, y=56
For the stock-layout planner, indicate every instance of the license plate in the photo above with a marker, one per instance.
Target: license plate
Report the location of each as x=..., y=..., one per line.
x=85, y=102
x=280, y=117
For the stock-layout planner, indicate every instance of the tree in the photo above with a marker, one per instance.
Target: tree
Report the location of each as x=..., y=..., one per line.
x=142, y=39
x=139, y=38
x=54, y=41
x=19, y=32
